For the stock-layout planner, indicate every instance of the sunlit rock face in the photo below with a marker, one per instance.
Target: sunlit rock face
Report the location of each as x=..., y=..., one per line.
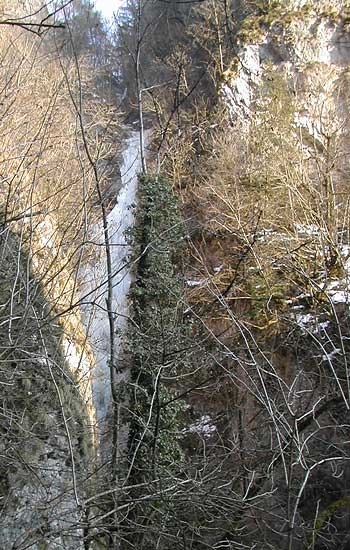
x=238, y=90
x=308, y=42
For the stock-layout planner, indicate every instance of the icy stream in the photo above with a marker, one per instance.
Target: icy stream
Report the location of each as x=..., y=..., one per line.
x=95, y=314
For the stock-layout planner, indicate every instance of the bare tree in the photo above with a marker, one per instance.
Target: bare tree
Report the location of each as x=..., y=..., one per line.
x=47, y=208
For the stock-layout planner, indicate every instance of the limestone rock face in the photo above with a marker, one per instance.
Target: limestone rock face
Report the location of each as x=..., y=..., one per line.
x=238, y=89
x=309, y=43
x=44, y=434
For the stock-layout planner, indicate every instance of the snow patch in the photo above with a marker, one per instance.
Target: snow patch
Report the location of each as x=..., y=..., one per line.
x=330, y=356
x=310, y=230
x=204, y=427
x=192, y=283
x=339, y=296
x=308, y=322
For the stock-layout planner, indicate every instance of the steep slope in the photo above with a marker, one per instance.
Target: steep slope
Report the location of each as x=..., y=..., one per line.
x=261, y=170
x=58, y=161
x=94, y=282
x=239, y=387
x=272, y=276
x=45, y=437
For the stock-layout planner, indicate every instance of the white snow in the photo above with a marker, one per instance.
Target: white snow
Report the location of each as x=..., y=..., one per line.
x=339, y=296
x=192, y=283
x=308, y=322
x=204, y=427
x=304, y=320
x=310, y=229
x=331, y=355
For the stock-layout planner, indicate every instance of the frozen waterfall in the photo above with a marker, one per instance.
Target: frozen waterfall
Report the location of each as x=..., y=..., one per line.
x=95, y=314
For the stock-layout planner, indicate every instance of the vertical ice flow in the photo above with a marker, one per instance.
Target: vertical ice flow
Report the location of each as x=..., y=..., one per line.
x=119, y=220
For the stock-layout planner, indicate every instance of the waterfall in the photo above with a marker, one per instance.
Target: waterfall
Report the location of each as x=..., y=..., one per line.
x=95, y=314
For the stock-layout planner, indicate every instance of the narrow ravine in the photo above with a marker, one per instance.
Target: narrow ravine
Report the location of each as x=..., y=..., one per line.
x=95, y=315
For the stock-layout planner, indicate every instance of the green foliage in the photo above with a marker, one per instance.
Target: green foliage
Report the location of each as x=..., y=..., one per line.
x=153, y=342
x=273, y=16
x=156, y=313
x=325, y=517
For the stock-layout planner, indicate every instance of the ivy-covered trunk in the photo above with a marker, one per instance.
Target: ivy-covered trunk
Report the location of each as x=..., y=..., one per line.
x=153, y=347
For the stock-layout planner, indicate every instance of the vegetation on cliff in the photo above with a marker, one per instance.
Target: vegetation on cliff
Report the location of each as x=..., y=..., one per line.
x=264, y=196
x=236, y=407
x=57, y=146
